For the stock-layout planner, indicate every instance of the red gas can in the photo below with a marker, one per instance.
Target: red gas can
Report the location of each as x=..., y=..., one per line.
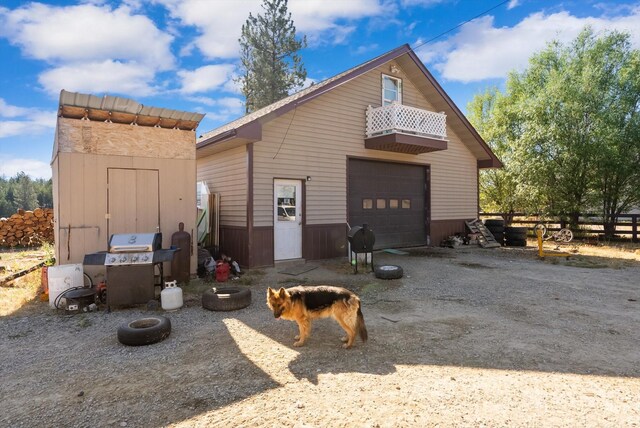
x=222, y=271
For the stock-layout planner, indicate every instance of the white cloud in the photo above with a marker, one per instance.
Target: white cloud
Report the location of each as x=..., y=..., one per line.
x=205, y=78
x=231, y=103
x=226, y=109
x=308, y=82
x=24, y=120
x=7, y=110
x=232, y=85
x=317, y=16
x=10, y=166
x=208, y=101
x=512, y=4
x=86, y=33
x=219, y=29
x=321, y=20
x=90, y=47
x=482, y=51
x=363, y=49
x=106, y=76
x=423, y=3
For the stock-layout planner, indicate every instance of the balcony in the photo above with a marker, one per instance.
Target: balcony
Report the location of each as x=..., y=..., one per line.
x=404, y=129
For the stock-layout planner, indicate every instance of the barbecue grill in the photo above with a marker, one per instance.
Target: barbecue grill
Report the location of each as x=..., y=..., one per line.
x=361, y=240
x=131, y=266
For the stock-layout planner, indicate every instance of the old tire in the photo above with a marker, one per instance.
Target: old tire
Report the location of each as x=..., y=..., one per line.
x=144, y=331
x=515, y=233
x=388, y=272
x=494, y=222
x=226, y=298
x=516, y=242
x=499, y=237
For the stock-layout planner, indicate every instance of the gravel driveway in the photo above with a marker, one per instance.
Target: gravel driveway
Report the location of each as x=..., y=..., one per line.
x=469, y=337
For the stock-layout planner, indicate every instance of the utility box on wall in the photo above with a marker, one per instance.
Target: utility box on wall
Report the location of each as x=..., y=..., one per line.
x=121, y=167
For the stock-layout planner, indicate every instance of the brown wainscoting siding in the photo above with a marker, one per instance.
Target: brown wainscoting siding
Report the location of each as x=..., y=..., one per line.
x=233, y=243
x=441, y=229
x=262, y=247
x=324, y=241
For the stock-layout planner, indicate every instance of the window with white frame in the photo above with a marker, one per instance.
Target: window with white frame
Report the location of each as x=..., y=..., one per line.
x=391, y=90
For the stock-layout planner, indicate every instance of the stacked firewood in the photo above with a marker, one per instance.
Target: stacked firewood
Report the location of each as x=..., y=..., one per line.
x=27, y=228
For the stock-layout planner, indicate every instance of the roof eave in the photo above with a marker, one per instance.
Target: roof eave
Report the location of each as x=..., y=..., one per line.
x=490, y=163
x=251, y=132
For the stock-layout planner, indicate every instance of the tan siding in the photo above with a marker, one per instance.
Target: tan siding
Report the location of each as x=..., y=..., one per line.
x=226, y=173
x=80, y=188
x=323, y=131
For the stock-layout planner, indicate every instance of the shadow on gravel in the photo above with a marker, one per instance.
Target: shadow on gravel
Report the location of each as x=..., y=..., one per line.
x=458, y=308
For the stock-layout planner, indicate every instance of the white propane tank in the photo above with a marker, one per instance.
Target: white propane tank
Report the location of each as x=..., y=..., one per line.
x=62, y=278
x=171, y=296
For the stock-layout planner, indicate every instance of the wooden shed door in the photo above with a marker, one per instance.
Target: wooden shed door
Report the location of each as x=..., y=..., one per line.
x=133, y=201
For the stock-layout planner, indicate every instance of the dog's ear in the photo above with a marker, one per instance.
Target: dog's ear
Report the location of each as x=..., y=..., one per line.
x=270, y=292
x=282, y=292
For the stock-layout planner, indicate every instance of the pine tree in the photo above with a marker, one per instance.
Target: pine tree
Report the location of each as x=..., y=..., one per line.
x=25, y=196
x=271, y=67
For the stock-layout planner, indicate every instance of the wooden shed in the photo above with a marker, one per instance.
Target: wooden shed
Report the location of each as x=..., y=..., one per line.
x=121, y=167
x=381, y=143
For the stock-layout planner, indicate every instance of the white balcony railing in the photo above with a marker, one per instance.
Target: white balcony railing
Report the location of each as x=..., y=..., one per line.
x=404, y=119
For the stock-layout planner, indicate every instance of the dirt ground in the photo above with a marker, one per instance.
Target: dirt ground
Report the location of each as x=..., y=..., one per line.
x=468, y=337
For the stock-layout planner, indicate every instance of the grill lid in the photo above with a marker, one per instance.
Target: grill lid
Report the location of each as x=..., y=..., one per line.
x=361, y=239
x=135, y=242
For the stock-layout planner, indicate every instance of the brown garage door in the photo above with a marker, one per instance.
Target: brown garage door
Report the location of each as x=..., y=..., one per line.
x=391, y=198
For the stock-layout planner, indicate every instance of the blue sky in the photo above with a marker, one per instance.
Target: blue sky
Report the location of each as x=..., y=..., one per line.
x=183, y=54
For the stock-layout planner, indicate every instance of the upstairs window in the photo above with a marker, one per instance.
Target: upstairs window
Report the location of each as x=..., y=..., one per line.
x=391, y=90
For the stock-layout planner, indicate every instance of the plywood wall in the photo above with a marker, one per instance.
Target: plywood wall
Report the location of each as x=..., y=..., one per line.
x=80, y=183
x=103, y=138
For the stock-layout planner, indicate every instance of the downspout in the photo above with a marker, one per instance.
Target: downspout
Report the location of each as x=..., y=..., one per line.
x=250, y=255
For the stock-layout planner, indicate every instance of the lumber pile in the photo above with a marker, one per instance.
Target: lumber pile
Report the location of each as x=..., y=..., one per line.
x=27, y=228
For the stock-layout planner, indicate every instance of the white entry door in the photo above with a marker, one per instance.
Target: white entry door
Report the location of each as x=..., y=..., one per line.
x=287, y=219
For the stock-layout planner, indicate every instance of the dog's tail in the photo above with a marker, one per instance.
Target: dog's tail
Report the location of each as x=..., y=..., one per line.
x=362, y=329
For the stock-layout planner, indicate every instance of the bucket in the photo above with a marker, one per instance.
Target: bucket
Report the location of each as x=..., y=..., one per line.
x=171, y=296
x=44, y=285
x=222, y=271
x=61, y=278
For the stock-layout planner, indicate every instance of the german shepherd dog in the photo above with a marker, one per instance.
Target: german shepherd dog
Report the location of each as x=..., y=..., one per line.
x=303, y=304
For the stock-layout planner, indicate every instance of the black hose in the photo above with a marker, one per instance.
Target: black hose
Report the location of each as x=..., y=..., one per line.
x=56, y=301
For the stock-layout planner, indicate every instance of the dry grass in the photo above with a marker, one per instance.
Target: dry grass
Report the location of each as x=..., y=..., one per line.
x=625, y=251
x=18, y=293
x=600, y=256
